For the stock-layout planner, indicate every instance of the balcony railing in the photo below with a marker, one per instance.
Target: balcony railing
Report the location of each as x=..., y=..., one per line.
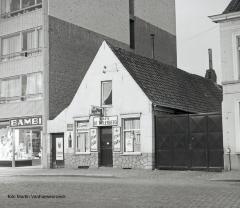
x=18, y=55
x=4, y=100
x=21, y=11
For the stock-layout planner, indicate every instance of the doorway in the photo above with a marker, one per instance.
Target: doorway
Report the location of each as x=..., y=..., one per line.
x=106, y=153
x=57, y=150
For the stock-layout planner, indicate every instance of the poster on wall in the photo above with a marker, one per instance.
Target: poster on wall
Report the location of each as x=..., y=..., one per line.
x=59, y=148
x=116, y=139
x=93, y=139
x=129, y=143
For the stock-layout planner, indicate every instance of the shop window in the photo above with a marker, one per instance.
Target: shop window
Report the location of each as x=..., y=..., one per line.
x=10, y=8
x=5, y=141
x=131, y=134
x=82, y=137
x=107, y=93
x=10, y=88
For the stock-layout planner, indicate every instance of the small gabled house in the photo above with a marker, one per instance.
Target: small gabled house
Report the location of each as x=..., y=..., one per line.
x=111, y=119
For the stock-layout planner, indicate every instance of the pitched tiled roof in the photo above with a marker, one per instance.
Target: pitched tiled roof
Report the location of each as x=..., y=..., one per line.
x=170, y=87
x=234, y=6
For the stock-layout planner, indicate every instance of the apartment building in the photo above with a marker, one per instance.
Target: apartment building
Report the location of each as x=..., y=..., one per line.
x=229, y=22
x=46, y=49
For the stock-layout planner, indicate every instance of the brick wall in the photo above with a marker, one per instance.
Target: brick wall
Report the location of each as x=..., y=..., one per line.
x=165, y=42
x=71, y=51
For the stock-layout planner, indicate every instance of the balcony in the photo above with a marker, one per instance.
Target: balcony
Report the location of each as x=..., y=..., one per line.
x=21, y=54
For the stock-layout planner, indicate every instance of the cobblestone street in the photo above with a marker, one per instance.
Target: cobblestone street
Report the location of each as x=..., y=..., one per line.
x=117, y=188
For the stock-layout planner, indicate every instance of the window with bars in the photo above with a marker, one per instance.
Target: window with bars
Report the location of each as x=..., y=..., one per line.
x=132, y=135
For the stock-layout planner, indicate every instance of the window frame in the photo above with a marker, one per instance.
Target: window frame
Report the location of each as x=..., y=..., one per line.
x=23, y=52
x=102, y=83
x=130, y=130
x=82, y=131
x=11, y=13
x=23, y=93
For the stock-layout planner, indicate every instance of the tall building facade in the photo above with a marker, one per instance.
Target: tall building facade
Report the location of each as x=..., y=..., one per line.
x=229, y=22
x=46, y=49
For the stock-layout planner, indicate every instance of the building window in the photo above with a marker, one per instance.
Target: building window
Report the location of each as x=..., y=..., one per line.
x=238, y=55
x=132, y=34
x=82, y=137
x=11, y=46
x=34, y=84
x=10, y=88
x=131, y=135
x=107, y=93
x=31, y=42
x=10, y=8
x=21, y=87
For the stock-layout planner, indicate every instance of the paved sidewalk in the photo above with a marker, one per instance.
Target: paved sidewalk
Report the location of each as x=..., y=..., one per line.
x=122, y=173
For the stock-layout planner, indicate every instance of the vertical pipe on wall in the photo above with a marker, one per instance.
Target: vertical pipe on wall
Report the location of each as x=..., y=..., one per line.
x=45, y=139
x=153, y=45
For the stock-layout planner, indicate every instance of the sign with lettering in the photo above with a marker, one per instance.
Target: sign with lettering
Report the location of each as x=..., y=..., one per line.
x=105, y=121
x=95, y=110
x=26, y=121
x=116, y=139
x=59, y=148
x=93, y=140
x=69, y=127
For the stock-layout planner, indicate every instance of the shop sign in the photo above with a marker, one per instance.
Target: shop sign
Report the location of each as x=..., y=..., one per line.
x=69, y=127
x=105, y=121
x=93, y=140
x=96, y=110
x=116, y=139
x=59, y=148
x=27, y=121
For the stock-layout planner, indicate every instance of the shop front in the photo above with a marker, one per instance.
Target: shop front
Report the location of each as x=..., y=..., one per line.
x=22, y=136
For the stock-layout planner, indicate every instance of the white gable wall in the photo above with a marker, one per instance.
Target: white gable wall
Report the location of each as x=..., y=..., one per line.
x=127, y=96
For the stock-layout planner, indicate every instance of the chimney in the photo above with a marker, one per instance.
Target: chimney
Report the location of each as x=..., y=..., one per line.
x=153, y=50
x=210, y=73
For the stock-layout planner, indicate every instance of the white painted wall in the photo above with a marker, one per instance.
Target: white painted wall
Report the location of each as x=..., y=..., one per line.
x=160, y=13
x=230, y=64
x=127, y=96
x=21, y=22
x=106, y=17
x=231, y=117
x=229, y=60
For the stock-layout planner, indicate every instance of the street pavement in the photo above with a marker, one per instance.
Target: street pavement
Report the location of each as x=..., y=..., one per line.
x=106, y=187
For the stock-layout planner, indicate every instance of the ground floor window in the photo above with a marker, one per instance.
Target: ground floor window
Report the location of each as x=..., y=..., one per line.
x=131, y=135
x=82, y=137
x=27, y=143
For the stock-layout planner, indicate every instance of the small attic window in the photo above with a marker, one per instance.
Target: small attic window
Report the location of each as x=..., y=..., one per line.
x=106, y=93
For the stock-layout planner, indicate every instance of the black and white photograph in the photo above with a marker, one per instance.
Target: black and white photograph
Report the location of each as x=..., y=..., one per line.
x=120, y=103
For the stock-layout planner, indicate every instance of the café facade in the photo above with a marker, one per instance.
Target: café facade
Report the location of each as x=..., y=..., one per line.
x=110, y=121
x=21, y=135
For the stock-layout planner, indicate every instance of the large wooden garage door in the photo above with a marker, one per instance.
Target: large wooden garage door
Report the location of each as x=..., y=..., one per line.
x=189, y=142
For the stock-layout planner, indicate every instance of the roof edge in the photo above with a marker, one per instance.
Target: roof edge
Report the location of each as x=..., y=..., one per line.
x=224, y=17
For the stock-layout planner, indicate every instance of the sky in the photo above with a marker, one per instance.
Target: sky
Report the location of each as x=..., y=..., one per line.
x=196, y=33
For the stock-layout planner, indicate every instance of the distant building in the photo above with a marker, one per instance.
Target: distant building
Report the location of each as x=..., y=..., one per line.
x=46, y=49
x=111, y=119
x=229, y=22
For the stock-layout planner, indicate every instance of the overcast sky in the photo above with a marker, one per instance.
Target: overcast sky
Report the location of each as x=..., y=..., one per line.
x=196, y=33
